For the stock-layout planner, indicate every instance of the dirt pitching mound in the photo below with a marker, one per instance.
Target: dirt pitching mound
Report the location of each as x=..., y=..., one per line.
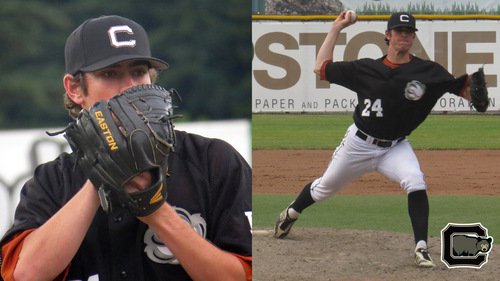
x=321, y=254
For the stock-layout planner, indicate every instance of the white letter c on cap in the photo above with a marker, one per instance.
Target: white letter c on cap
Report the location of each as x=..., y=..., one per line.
x=404, y=18
x=120, y=29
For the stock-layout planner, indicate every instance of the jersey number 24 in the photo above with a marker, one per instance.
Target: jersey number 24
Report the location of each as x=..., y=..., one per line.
x=370, y=107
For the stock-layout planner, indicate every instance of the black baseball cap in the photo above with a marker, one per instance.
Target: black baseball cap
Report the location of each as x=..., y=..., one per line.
x=106, y=40
x=401, y=20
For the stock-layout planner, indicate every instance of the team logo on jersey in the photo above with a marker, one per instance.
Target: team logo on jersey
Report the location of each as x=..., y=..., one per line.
x=158, y=252
x=414, y=90
x=465, y=245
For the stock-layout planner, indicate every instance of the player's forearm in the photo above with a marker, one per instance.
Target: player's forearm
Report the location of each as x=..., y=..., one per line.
x=192, y=250
x=326, y=50
x=48, y=250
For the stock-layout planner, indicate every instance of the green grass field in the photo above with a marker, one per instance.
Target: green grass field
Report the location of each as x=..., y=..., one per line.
x=387, y=213
x=300, y=131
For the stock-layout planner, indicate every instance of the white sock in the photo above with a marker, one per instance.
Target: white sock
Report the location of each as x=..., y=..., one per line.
x=421, y=244
x=293, y=214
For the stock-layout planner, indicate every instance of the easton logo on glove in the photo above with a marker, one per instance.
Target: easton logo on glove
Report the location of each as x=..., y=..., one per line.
x=105, y=130
x=158, y=196
x=116, y=141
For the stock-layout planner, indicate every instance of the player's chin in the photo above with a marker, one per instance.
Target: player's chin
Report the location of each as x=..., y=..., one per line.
x=404, y=47
x=405, y=43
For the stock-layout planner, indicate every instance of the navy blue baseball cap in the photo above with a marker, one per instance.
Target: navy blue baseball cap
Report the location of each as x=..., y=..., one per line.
x=401, y=20
x=106, y=40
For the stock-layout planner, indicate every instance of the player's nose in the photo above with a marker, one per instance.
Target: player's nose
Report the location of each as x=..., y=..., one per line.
x=127, y=82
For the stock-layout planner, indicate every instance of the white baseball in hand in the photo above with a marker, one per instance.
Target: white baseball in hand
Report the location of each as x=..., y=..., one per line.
x=351, y=15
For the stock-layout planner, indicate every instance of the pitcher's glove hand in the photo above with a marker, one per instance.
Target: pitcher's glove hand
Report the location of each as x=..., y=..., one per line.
x=478, y=91
x=118, y=140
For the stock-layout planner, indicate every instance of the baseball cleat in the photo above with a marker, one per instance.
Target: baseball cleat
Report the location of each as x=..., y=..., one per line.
x=423, y=259
x=283, y=224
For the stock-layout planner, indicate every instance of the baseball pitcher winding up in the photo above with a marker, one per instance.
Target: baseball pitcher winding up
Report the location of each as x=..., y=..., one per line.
x=395, y=94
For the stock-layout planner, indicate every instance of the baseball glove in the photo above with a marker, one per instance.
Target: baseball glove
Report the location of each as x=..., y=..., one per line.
x=478, y=91
x=118, y=140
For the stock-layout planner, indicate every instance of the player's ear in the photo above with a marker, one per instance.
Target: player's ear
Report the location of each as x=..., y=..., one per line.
x=387, y=34
x=73, y=90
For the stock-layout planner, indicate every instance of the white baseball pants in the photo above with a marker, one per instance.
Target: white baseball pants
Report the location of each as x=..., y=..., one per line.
x=355, y=157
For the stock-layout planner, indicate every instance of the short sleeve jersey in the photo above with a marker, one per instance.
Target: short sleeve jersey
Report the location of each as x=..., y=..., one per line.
x=209, y=187
x=383, y=110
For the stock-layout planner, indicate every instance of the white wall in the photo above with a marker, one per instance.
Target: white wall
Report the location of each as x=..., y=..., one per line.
x=22, y=150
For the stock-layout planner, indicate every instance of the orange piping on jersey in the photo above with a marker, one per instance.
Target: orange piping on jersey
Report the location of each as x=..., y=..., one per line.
x=392, y=65
x=10, y=256
x=247, y=265
x=322, y=74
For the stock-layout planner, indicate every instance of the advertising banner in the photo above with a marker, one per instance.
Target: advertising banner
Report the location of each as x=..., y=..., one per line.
x=285, y=51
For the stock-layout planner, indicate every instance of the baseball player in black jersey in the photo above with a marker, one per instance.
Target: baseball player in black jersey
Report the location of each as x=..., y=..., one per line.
x=201, y=232
x=395, y=94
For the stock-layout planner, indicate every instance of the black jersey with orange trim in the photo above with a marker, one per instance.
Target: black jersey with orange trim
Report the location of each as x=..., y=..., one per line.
x=383, y=111
x=209, y=187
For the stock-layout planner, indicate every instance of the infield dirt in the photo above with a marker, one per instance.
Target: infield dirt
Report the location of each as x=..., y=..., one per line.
x=332, y=254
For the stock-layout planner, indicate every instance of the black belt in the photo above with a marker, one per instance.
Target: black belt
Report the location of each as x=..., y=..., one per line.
x=377, y=142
